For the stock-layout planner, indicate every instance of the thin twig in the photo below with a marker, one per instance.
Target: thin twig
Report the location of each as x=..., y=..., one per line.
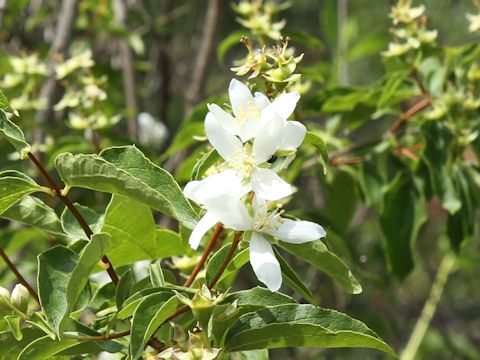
x=419, y=106
x=68, y=203
x=233, y=247
x=128, y=70
x=100, y=337
x=19, y=276
x=446, y=267
x=204, y=53
x=206, y=252
x=51, y=90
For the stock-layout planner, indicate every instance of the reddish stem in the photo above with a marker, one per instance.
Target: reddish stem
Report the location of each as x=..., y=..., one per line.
x=233, y=247
x=19, y=276
x=206, y=252
x=68, y=203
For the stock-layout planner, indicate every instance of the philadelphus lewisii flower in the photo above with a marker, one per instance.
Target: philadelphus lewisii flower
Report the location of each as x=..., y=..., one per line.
x=247, y=141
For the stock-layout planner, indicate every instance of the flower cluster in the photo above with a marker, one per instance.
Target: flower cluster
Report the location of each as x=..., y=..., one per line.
x=410, y=30
x=255, y=143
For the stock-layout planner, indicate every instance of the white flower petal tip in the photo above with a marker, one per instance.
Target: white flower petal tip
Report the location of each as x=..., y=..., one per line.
x=264, y=263
x=293, y=135
x=298, y=232
x=206, y=223
x=240, y=96
x=284, y=105
x=268, y=185
x=224, y=142
x=226, y=182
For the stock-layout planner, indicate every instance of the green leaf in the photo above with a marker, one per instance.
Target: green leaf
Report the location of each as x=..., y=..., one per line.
x=131, y=304
x=292, y=279
x=13, y=134
x=216, y=261
x=14, y=325
x=148, y=317
x=170, y=243
x=11, y=347
x=5, y=106
x=126, y=171
x=317, y=254
x=62, y=275
x=34, y=212
x=315, y=140
x=304, y=38
x=156, y=275
x=44, y=348
x=300, y=325
x=71, y=226
x=204, y=163
x=401, y=215
x=258, y=297
x=132, y=230
x=14, y=185
x=123, y=288
x=436, y=156
x=227, y=43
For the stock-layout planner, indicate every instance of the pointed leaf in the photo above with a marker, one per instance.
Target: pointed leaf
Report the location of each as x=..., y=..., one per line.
x=300, y=325
x=34, y=212
x=14, y=185
x=71, y=226
x=132, y=230
x=62, y=275
x=317, y=254
x=293, y=280
x=126, y=171
x=148, y=317
x=13, y=134
x=402, y=214
x=214, y=264
x=124, y=287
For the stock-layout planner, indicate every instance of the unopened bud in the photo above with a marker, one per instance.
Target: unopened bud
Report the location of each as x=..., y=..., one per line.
x=4, y=295
x=20, y=297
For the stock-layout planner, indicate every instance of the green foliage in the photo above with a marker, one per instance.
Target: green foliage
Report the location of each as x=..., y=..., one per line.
x=126, y=171
x=300, y=325
x=391, y=155
x=317, y=254
x=15, y=185
x=62, y=275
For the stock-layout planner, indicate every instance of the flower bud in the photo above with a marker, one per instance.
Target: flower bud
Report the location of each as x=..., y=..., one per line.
x=20, y=297
x=4, y=296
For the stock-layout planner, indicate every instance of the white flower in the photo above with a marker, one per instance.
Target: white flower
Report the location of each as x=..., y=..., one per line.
x=474, y=20
x=247, y=160
x=233, y=213
x=213, y=186
x=249, y=111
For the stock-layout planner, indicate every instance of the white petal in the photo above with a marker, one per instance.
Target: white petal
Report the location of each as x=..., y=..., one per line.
x=240, y=96
x=215, y=185
x=224, y=142
x=293, y=135
x=206, y=223
x=261, y=101
x=264, y=263
x=224, y=118
x=231, y=211
x=268, y=185
x=298, y=232
x=249, y=129
x=269, y=137
x=284, y=105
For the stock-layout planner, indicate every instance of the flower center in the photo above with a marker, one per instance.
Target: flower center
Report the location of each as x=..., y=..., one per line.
x=264, y=220
x=242, y=162
x=250, y=112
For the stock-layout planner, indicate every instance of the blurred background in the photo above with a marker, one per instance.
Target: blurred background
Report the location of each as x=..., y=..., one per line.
x=150, y=66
